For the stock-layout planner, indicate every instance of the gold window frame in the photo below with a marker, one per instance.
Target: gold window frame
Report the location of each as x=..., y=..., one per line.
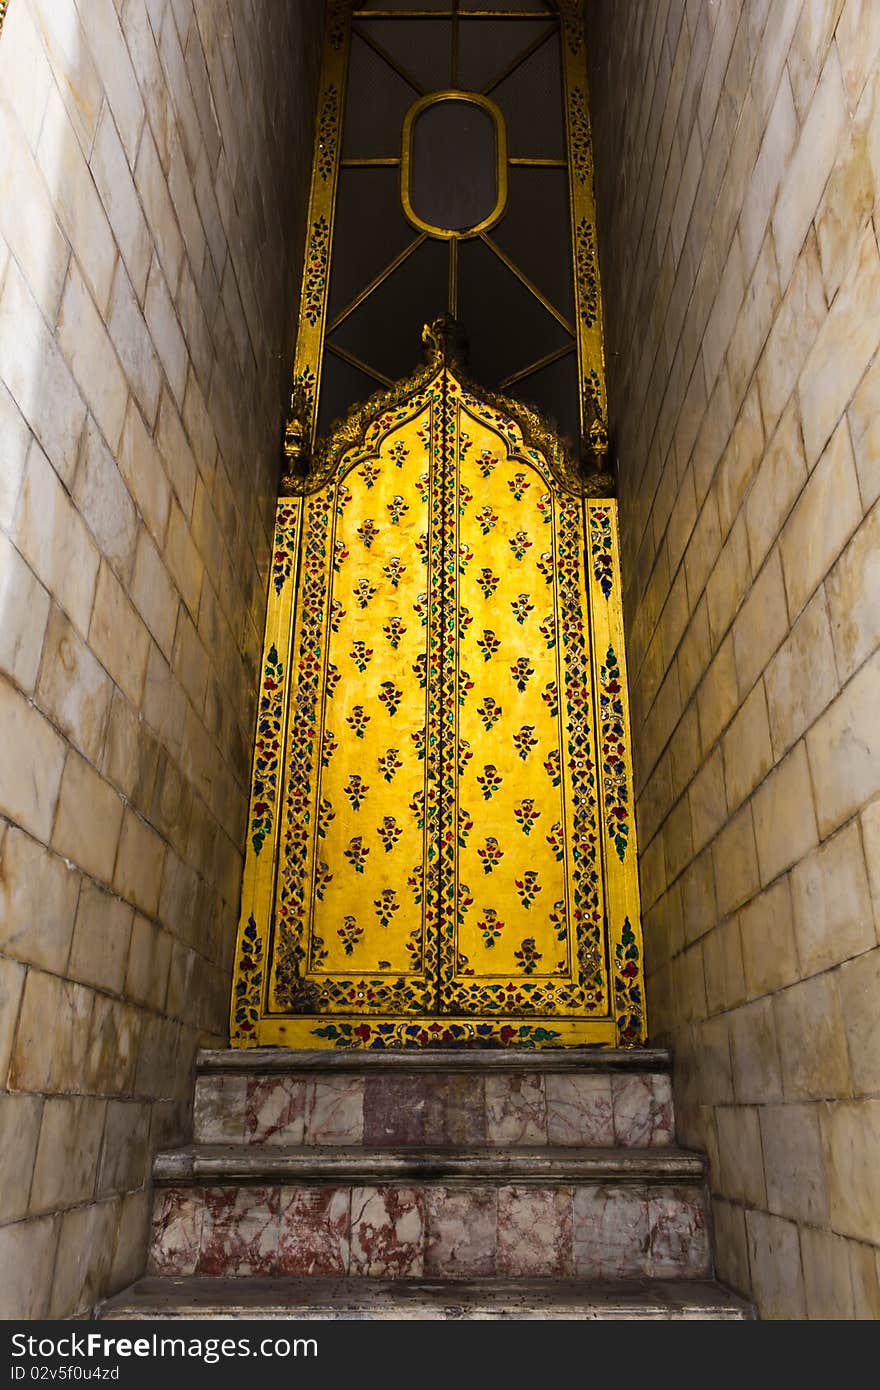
x=410, y=120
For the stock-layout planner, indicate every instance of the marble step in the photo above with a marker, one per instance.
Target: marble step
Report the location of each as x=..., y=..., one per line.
x=226, y=1164
x=411, y=1099
x=418, y=1299
x=556, y=1214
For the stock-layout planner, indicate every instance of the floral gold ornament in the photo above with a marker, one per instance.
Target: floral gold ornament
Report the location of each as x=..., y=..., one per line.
x=521, y=673
x=357, y=852
x=528, y=887
x=389, y=833
x=545, y=566
x=490, y=712
x=367, y=532
x=486, y=519
x=524, y=741
x=361, y=655
x=488, y=644
x=489, y=780
x=491, y=854
x=528, y=956
x=465, y=686
x=390, y=696
x=397, y=509
x=340, y=555
x=386, y=906
x=389, y=764
x=394, y=630
x=519, y=486
x=394, y=571
x=519, y=544
x=350, y=933
x=357, y=721
x=355, y=789
x=363, y=592
x=521, y=607
x=488, y=581
x=491, y=926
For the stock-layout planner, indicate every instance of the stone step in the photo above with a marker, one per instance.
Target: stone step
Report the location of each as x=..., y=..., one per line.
x=529, y=1214
x=326, y=1298
x=226, y=1164
x=410, y=1099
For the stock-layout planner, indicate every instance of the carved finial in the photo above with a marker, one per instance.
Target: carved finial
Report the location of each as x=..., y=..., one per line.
x=444, y=340
x=297, y=436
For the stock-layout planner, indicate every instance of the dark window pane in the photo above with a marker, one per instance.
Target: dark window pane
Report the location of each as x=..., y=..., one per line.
x=535, y=232
x=370, y=230
x=532, y=102
x=553, y=392
x=376, y=102
x=386, y=330
x=506, y=325
x=454, y=169
x=487, y=46
x=421, y=47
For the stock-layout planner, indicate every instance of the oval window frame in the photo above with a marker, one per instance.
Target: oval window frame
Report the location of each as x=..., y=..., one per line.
x=500, y=126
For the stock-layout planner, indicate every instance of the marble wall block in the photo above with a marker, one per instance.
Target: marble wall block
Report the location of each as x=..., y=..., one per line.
x=461, y=1232
x=387, y=1231
x=240, y=1233
x=535, y=1231
x=579, y=1110
x=219, y=1111
x=335, y=1112
x=176, y=1235
x=275, y=1110
x=643, y=1112
x=610, y=1232
x=314, y=1231
x=516, y=1109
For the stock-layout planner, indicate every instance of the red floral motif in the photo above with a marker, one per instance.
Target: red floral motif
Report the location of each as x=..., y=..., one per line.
x=488, y=644
x=349, y=933
x=340, y=555
x=361, y=655
x=518, y=486
x=389, y=832
x=343, y=497
x=528, y=956
x=465, y=826
x=548, y=631
x=519, y=543
x=369, y=472
x=390, y=696
x=363, y=592
x=464, y=756
x=550, y=696
x=355, y=789
x=489, y=711
x=393, y=631
x=420, y=608
x=465, y=497
x=418, y=739
x=521, y=673
x=394, y=570
x=523, y=741
x=465, y=686
x=398, y=453
x=486, y=519
x=528, y=887
x=337, y=613
x=465, y=618
x=545, y=507
x=491, y=854
x=267, y=749
x=557, y=919
x=389, y=764
x=415, y=883
x=521, y=607
x=487, y=581
x=600, y=549
x=328, y=747
x=419, y=669
x=491, y=926
x=422, y=548
x=545, y=566
x=490, y=781
x=396, y=508
x=356, y=853
x=323, y=879
x=325, y=815
x=465, y=555
x=486, y=462
x=551, y=767
x=386, y=905
x=526, y=815
x=423, y=483
x=367, y=532
x=334, y=676
x=417, y=806
x=357, y=721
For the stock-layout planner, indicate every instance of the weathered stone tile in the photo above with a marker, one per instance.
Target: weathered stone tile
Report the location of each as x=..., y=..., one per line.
x=29, y=1248
x=611, y=1236
x=793, y=1163
x=785, y=798
x=19, y=1131
x=766, y=927
x=812, y=1043
x=775, y=1263
x=859, y=983
x=843, y=749
x=516, y=1110
x=387, y=1231
x=827, y=1282
x=52, y=1036
x=731, y=1255
x=740, y=1158
x=678, y=1233
x=240, y=1231
x=73, y=688
x=67, y=1154
x=801, y=680
x=335, y=1111
x=850, y=1136
x=461, y=1227
x=852, y=588
x=535, y=1231
x=832, y=907
x=579, y=1109
x=314, y=1225
x=643, y=1112
x=274, y=1109
x=26, y=614
x=38, y=897
x=85, y=1252
x=754, y=1051
x=176, y=1237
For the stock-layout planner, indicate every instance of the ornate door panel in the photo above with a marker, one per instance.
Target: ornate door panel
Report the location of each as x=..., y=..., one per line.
x=441, y=774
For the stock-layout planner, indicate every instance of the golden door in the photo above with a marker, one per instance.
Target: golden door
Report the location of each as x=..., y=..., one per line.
x=441, y=837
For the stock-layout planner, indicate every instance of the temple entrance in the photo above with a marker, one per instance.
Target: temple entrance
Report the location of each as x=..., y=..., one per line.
x=441, y=841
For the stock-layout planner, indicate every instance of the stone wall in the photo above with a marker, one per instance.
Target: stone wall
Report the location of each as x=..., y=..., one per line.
x=738, y=154
x=153, y=167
